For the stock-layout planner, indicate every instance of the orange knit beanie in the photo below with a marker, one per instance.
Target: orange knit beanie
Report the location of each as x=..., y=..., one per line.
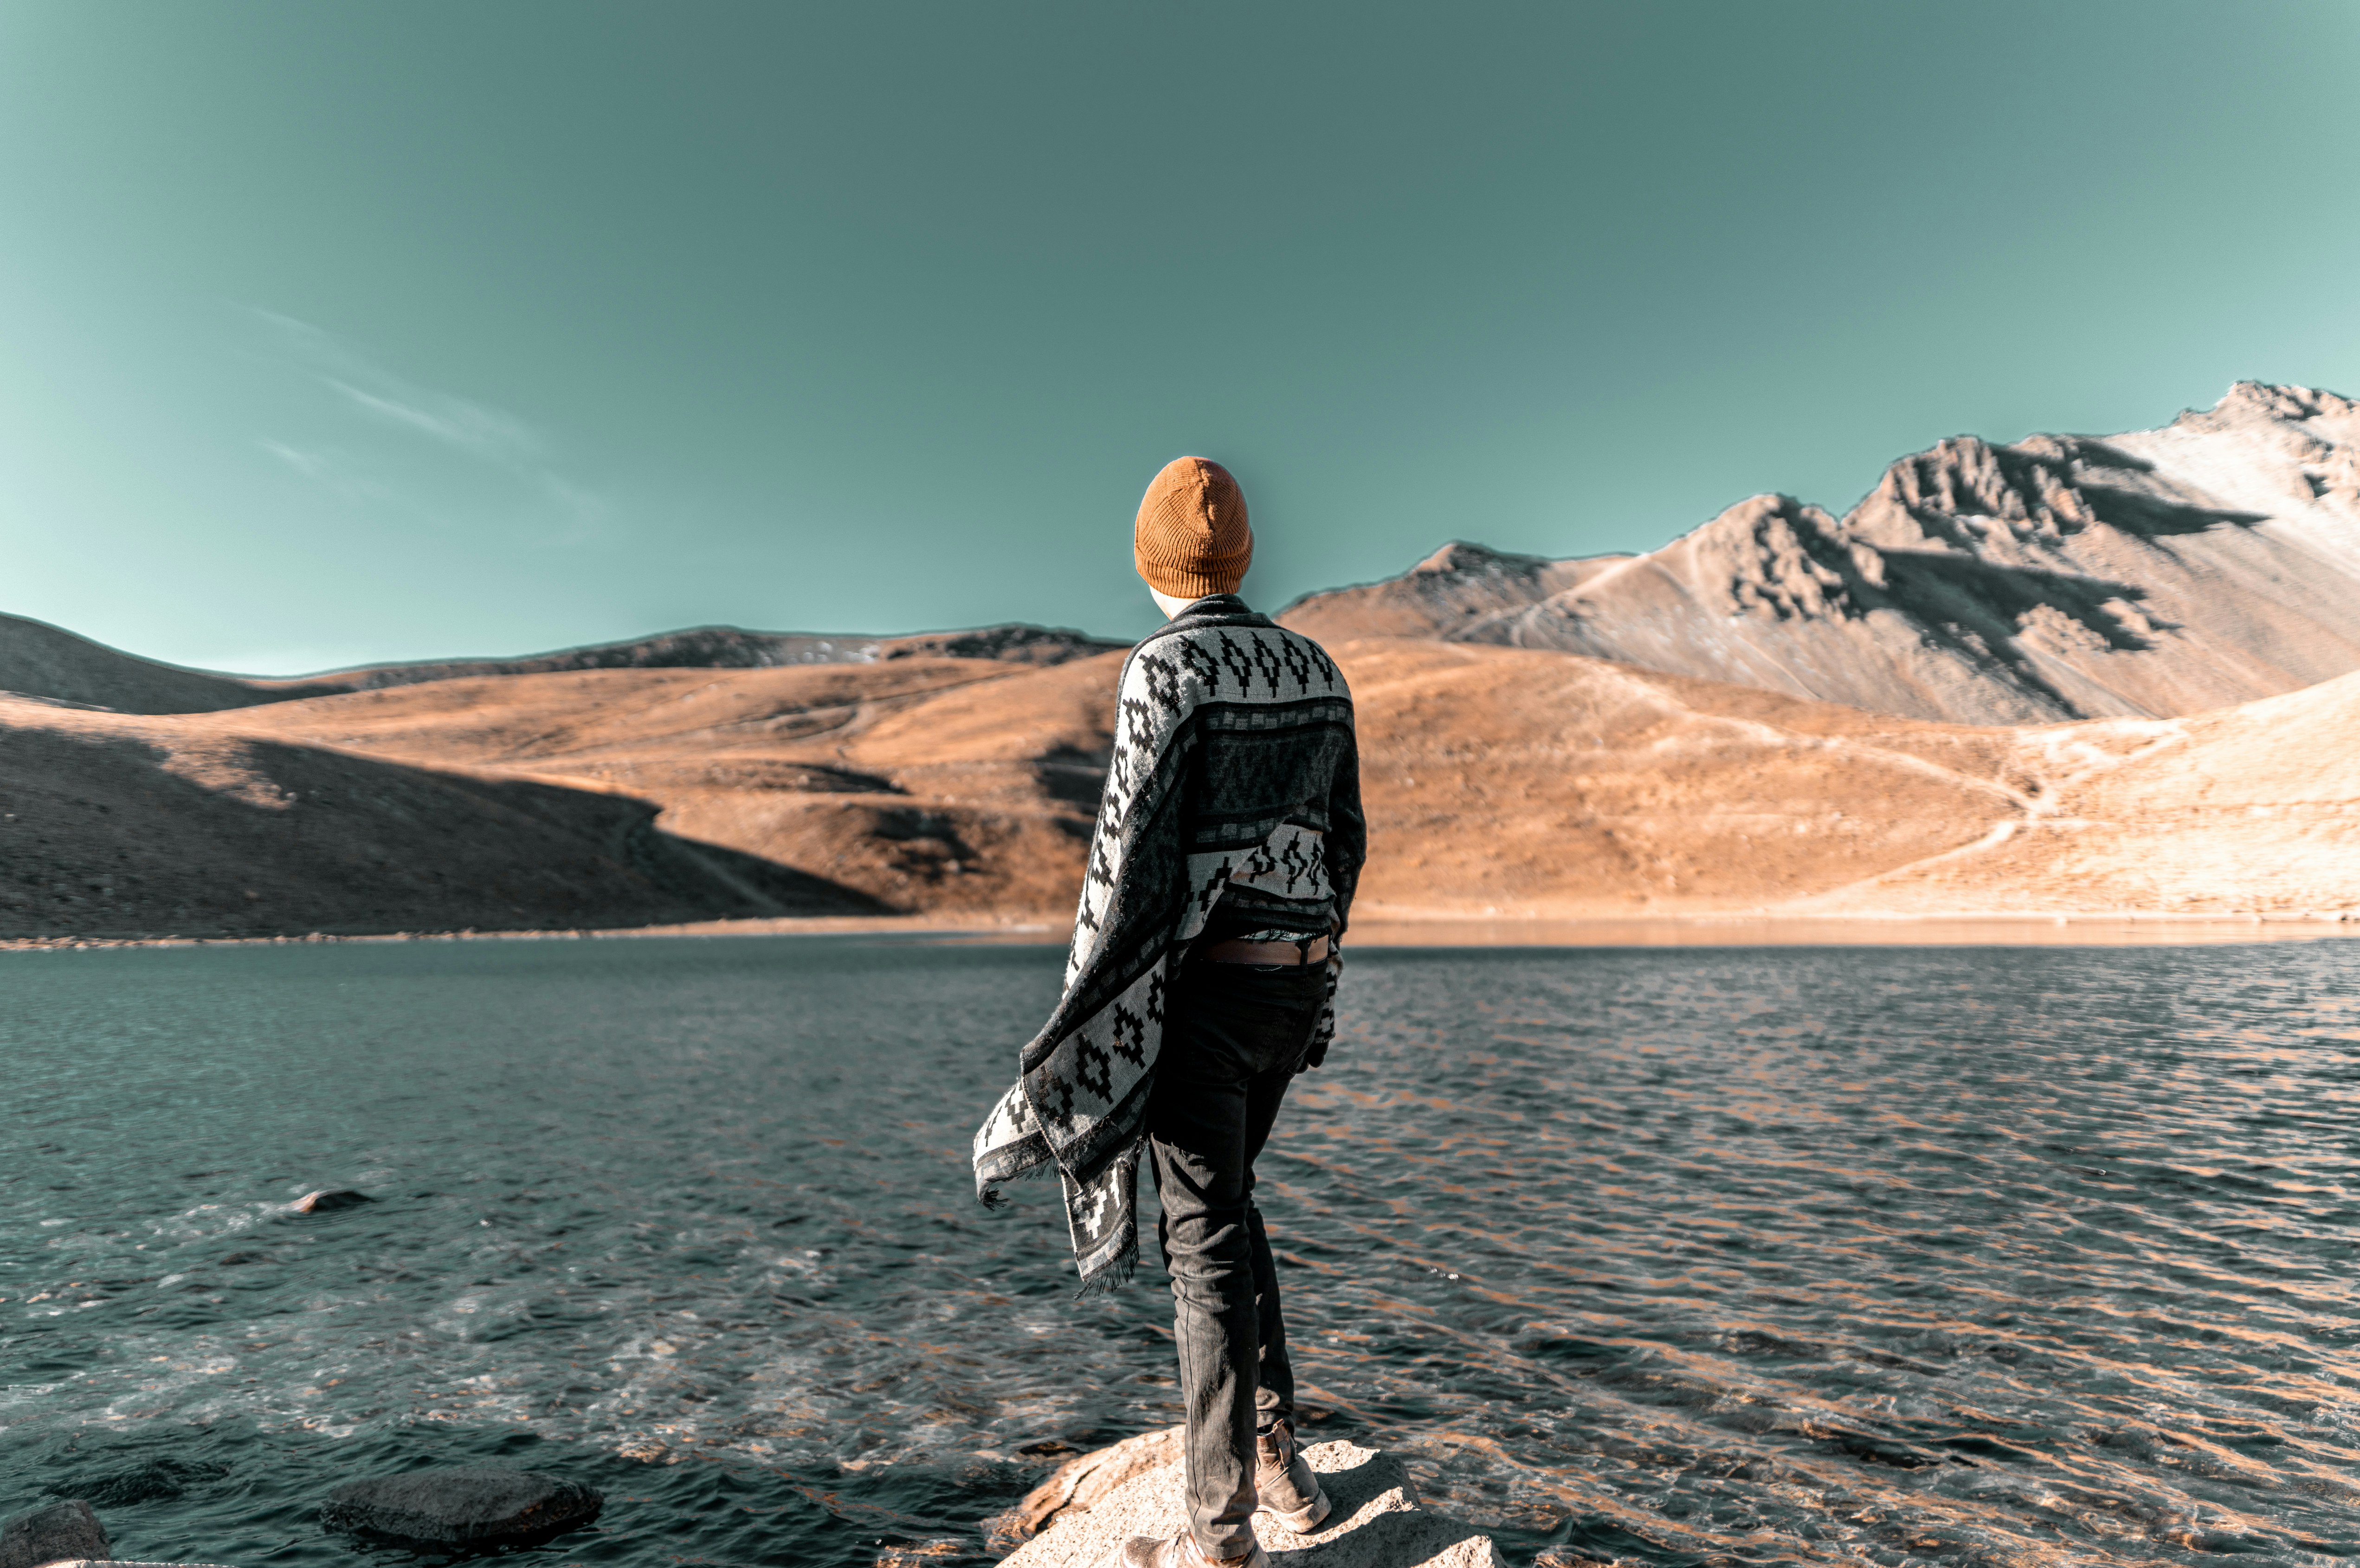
x=1192, y=538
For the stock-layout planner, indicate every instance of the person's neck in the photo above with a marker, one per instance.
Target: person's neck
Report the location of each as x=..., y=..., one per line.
x=1172, y=604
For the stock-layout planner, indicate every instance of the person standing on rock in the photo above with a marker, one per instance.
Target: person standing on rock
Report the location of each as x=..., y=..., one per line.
x=1202, y=978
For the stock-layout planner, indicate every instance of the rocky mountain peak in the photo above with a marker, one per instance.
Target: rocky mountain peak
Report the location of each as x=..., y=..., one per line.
x=1462, y=558
x=1965, y=494
x=2156, y=572
x=2266, y=399
x=1780, y=557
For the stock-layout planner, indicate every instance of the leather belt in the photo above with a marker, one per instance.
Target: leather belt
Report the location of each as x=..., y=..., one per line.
x=1267, y=953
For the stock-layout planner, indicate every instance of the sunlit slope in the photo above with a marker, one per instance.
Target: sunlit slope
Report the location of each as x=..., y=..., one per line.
x=1496, y=777
x=950, y=784
x=2248, y=810
x=2153, y=574
x=1514, y=781
x=1549, y=783
x=1529, y=782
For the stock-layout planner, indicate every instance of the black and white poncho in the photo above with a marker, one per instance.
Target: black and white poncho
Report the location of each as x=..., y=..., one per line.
x=1234, y=775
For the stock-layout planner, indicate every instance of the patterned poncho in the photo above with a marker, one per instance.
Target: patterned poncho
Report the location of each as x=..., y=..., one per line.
x=1234, y=775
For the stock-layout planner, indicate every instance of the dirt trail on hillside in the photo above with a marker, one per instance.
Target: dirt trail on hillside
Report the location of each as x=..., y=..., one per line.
x=1519, y=783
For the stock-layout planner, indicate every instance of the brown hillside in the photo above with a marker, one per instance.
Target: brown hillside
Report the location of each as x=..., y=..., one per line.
x=47, y=663
x=2249, y=808
x=1520, y=781
x=939, y=784
x=623, y=796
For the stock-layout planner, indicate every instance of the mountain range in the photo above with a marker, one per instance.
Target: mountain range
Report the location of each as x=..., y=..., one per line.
x=1780, y=713
x=2152, y=574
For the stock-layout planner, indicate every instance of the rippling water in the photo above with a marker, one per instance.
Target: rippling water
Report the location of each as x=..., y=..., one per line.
x=1743, y=1255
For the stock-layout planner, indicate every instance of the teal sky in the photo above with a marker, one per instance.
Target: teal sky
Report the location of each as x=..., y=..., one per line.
x=339, y=332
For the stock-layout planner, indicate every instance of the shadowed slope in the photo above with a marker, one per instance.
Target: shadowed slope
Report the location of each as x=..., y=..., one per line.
x=2163, y=571
x=148, y=826
x=45, y=662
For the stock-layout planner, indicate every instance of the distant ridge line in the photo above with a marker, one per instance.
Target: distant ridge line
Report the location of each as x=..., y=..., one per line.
x=52, y=665
x=735, y=648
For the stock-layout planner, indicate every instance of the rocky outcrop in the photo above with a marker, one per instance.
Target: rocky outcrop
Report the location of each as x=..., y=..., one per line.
x=1083, y=1482
x=57, y=1533
x=1376, y=1521
x=1451, y=593
x=67, y=1535
x=467, y=1508
x=2154, y=574
x=1014, y=643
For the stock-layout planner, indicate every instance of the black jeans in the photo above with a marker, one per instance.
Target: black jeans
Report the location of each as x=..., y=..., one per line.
x=1233, y=1035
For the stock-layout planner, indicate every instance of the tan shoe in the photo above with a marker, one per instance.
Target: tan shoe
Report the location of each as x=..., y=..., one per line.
x=1284, y=1482
x=1182, y=1551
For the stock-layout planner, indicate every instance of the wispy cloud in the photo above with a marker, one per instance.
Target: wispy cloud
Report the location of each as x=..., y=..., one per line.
x=469, y=426
x=311, y=464
x=490, y=435
x=327, y=467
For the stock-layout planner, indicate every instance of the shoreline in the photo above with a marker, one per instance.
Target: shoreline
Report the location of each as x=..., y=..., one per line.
x=1398, y=930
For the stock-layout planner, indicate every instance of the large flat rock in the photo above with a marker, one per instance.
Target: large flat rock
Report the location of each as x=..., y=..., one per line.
x=1377, y=1522
x=1083, y=1482
x=475, y=1507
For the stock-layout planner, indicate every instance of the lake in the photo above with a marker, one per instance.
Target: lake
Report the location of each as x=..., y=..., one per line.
x=1668, y=1256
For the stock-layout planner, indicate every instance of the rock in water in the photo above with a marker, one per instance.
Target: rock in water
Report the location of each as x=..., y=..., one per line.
x=470, y=1506
x=328, y=1199
x=53, y=1534
x=1377, y=1522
